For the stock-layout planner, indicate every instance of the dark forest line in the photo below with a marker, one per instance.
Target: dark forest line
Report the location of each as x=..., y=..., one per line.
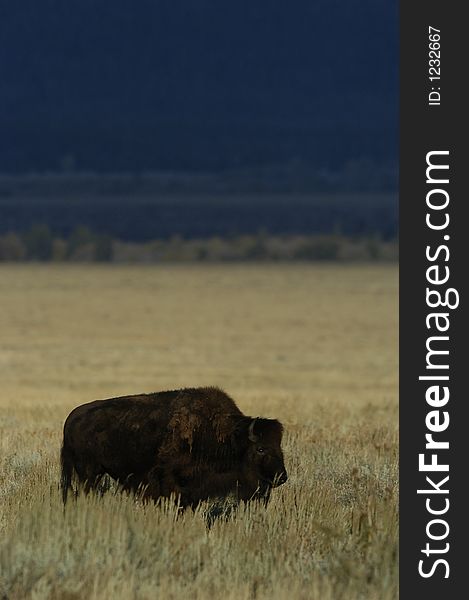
x=39, y=244
x=206, y=85
x=136, y=208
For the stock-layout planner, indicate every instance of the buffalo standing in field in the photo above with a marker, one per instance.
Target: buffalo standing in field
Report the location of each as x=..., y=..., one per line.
x=193, y=443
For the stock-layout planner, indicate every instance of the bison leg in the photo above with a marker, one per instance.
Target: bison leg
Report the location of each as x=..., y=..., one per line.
x=67, y=471
x=134, y=484
x=221, y=508
x=92, y=484
x=89, y=476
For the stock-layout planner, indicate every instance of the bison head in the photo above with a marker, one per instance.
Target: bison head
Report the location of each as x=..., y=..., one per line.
x=263, y=462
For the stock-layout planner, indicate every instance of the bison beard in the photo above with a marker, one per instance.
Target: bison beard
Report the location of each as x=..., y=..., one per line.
x=192, y=443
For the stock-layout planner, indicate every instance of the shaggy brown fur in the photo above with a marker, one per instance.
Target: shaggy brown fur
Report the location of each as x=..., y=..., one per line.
x=194, y=443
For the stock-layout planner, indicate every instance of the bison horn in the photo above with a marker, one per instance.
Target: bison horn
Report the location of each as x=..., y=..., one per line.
x=252, y=437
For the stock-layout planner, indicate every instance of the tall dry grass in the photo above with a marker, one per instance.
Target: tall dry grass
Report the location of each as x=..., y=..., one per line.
x=315, y=346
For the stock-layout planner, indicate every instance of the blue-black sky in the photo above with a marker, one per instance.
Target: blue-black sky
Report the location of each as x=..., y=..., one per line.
x=126, y=85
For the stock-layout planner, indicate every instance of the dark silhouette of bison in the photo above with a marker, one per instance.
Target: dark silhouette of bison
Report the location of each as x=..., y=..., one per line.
x=192, y=443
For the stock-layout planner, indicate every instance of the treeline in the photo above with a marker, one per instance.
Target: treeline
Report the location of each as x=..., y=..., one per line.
x=39, y=244
x=144, y=215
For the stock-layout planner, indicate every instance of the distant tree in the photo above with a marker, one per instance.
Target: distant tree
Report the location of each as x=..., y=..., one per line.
x=59, y=249
x=80, y=236
x=103, y=248
x=201, y=253
x=320, y=248
x=373, y=246
x=38, y=241
x=257, y=250
x=12, y=247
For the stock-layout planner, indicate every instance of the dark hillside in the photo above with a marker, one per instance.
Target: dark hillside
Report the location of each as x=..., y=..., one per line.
x=206, y=85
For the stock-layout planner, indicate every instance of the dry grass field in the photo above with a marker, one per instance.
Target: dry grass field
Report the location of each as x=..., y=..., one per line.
x=312, y=345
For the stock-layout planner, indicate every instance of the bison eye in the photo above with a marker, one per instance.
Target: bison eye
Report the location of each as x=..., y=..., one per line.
x=260, y=449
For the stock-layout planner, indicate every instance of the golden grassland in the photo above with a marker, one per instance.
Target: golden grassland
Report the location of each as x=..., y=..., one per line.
x=312, y=345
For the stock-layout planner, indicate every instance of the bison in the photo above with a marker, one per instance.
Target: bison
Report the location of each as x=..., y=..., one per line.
x=192, y=443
